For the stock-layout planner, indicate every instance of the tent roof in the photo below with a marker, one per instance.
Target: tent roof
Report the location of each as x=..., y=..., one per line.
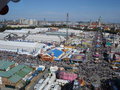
x=56, y=52
x=11, y=71
x=5, y=64
x=20, y=74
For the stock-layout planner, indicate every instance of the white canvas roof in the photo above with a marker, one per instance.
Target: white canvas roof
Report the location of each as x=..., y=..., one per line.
x=45, y=38
x=16, y=31
x=21, y=47
x=71, y=31
x=2, y=35
x=25, y=31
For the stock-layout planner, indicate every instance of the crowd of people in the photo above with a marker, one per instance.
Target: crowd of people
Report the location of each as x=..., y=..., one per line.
x=98, y=69
x=28, y=59
x=94, y=70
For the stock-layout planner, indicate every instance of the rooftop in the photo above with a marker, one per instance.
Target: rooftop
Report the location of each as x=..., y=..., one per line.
x=11, y=71
x=21, y=47
x=5, y=64
x=20, y=74
x=56, y=52
x=16, y=73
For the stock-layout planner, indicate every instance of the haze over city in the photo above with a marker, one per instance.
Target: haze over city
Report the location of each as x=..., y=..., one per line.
x=55, y=10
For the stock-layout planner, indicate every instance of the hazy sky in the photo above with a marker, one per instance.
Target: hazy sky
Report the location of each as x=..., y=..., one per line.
x=79, y=10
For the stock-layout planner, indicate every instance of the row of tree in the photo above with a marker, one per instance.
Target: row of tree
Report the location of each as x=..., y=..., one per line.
x=2, y=29
x=112, y=31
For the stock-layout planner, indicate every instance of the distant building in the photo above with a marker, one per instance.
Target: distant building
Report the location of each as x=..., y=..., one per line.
x=31, y=22
x=24, y=21
x=93, y=25
x=99, y=22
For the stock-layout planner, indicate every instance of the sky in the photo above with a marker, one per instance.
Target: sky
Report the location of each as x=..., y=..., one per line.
x=55, y=10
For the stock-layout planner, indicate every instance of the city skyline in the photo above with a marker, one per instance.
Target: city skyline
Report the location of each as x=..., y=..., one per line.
x=79, y=10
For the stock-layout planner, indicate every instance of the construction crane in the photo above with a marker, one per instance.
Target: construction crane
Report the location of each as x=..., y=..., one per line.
x=4, y=8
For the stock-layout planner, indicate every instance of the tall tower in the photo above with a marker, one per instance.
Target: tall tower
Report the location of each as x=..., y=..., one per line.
x=90, y=22
x=99, y=21
x=44, y=21
x=67, y=21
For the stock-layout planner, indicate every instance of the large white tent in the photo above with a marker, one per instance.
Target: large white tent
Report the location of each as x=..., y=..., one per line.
x=45, y=38
x=25, y=31
x=3, y=35
x=31, y=48
x=76, y=32
x=16, y=31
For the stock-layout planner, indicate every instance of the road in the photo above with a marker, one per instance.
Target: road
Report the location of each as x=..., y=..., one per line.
x=35, y=81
